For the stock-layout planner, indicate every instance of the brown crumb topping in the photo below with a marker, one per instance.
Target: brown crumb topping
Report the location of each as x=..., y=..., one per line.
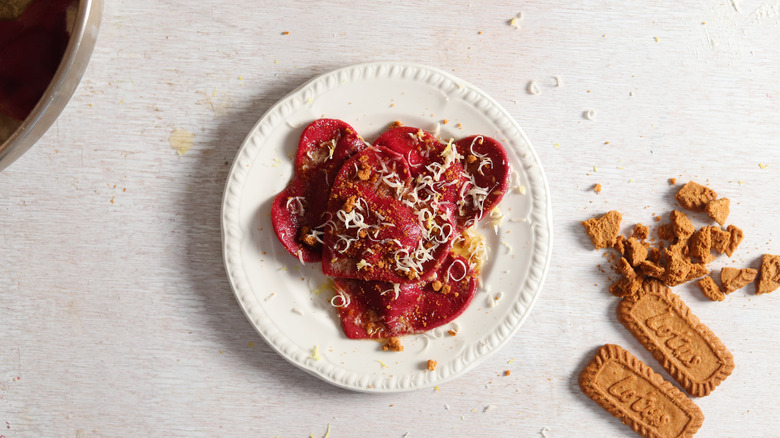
x=364, y=173
x=431, y=365
x=393, y=344
x=597, y=188
x=349, y=204
x=305, y=237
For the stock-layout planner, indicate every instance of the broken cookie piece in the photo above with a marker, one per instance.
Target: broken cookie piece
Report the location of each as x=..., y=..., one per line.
x=694, y=196
x=681, y=225
x=651, y=269
x=677, y=268
x=655, y=255
x=697, y=270
x=718, y=210
x=603, y=231
x=733, y=279
x=699, y=245
x=719, y=239
x=735, y=238
x=710, y=289
x=665, y=232
x=624, y=267
x=620, y=245
x=769, y=279
x=635, y=253
x=641, y=231
x=625, y=287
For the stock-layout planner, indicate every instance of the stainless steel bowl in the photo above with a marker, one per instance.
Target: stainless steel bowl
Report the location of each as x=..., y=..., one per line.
x=66, y=78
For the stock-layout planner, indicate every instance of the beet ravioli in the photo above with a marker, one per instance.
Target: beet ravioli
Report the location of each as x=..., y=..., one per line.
x=382, y=219
x=377, y=309
x=297, y=212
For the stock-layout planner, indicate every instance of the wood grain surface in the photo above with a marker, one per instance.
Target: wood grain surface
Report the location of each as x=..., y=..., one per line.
x=116, y=317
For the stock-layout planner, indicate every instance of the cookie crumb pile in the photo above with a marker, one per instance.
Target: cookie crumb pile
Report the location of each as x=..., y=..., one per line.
x=683, y=253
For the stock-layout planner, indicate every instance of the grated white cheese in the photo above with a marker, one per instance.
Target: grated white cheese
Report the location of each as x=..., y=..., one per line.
x=449, y=270
x=362, y=264
x=340, y=300
x=496, y=218
x=509, y=248
x=396, y=290
x=297, y=209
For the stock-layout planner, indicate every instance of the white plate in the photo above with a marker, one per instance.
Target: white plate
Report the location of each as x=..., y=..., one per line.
x=286, y=301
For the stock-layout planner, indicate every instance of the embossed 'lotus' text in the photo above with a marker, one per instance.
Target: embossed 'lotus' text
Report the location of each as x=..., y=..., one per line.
x=679, y=343
x=648, y=406
x=675, y=335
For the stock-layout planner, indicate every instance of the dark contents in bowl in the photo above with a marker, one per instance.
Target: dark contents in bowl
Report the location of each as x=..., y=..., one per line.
x=31, y=48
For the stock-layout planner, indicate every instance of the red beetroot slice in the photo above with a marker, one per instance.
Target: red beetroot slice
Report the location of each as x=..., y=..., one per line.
x=415, y=145
x=487, y=168
x=298, y=211
x=372, y=309
x=374, y=230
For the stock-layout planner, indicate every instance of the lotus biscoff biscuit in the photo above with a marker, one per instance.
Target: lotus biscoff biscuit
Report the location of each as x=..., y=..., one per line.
x=684, y=346
x=639, y=397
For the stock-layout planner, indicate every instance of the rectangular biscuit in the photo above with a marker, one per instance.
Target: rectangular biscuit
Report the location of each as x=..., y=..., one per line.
x=685, y=347
x=638, y=396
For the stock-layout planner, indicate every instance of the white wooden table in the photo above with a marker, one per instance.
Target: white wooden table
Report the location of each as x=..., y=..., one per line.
x=116, y=317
